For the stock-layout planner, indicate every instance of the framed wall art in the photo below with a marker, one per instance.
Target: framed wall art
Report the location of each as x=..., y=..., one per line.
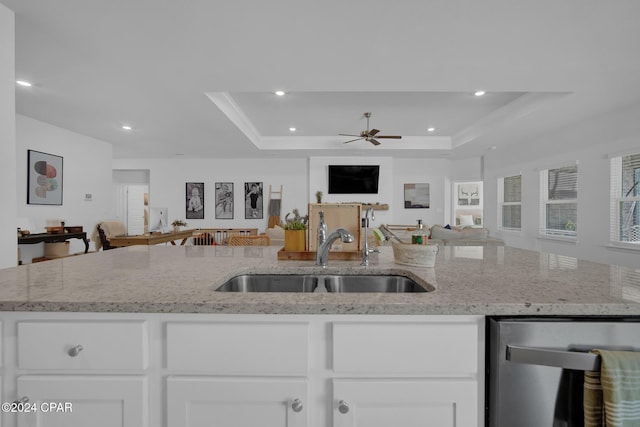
x=194, y=199
x=253, y=200
x=44, y=175
x=416, y=196
x=469, y=193
x=224, y=200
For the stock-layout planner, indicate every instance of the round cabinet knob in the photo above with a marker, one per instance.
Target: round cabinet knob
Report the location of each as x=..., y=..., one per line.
x=75, y=350
x=296, y=405
x=343, y=407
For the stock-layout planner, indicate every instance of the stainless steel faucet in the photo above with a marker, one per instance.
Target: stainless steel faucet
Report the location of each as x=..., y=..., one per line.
x=322, y=255
x=365, y=224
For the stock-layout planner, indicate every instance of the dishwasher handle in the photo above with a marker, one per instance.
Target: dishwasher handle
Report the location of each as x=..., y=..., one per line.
x=554, y=358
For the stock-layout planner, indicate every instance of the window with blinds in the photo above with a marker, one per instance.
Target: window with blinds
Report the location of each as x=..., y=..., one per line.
x=625, y=199
x=559, y=202
x=510, y=202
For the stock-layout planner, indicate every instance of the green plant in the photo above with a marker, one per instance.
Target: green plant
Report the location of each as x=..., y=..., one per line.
x=179, y=223
x=319, y=196
x=297, y=222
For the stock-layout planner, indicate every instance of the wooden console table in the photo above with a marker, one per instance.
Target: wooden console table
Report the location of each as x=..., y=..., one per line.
x=52, y=238
x=151, y=239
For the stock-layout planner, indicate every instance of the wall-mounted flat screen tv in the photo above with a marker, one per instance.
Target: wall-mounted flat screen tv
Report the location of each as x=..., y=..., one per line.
x=353, y=179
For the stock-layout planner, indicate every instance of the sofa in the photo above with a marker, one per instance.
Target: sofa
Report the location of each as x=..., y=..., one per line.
x=452, y=236
x=463, y=236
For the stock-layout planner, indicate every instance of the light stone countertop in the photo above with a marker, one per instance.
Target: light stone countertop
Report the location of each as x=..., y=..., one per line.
x=182, y=279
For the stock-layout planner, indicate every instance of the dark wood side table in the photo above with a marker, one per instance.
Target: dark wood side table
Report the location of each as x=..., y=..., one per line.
x=52, y=238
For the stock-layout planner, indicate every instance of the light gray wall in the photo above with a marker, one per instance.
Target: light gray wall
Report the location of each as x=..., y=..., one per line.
x=8, y=253
x=86, y=169
x=167, y=179
x=590, y=143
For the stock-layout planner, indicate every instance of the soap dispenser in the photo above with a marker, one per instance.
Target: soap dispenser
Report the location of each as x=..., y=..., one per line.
x=419, y=237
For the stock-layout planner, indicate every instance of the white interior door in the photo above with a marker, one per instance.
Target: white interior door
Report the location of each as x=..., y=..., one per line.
x=136, y=208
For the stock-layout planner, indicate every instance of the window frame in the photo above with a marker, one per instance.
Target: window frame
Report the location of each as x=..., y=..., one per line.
x=502, y=203
x=617, y=198
x=544, y=231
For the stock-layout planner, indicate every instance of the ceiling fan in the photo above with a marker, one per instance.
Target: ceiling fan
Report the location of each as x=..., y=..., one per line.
x=368, y=135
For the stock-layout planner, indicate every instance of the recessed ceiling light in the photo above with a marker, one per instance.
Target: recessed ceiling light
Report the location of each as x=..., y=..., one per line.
x=431, y=129
x=292, y=129
x=279, y=93
x=23, y=83
x=479, y=93
x=126, y=127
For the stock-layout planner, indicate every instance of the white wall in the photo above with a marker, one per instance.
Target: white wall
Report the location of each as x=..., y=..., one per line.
x=8, y=256
x=301, y=178
x=394, y=173
x=590, y=143
x=167, y=179
x=87, y=169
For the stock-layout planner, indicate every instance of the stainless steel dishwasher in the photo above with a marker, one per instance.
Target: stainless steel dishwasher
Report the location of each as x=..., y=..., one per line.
x=535, y=366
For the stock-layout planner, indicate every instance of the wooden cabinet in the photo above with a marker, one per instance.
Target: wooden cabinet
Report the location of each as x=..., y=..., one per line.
x=409, y=373
x=192, y=370
x=76, y=370
x=238, y=402
x=405, y=402
x=81, y=401
x=336, y=215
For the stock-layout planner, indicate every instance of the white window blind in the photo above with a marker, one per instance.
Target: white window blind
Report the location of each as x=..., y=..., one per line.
x=510, y=202
x=559, y=202
x=625, y=199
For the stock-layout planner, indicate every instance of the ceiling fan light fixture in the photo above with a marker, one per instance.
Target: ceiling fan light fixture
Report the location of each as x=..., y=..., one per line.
x=292, y=129
x=126, y=127
x=279, y=93
x=431, y=129
x=479, y=93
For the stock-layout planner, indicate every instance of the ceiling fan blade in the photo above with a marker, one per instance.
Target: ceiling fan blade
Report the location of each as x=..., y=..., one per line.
x=373, y=141
x=373, y=132
x=389, y=136
x=351, y=140
x=347, y=134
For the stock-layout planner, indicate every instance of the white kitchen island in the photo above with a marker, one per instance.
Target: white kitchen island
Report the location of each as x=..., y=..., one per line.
x=139, y=337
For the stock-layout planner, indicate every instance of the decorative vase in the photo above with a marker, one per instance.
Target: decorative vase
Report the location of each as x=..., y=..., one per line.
x=295, y=240
x=176, y=228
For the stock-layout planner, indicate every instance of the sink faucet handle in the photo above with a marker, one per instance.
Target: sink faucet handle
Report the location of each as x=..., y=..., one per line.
x=322, y=229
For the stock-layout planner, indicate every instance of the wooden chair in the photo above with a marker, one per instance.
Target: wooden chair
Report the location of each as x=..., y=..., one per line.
x=103, y=239
x=260, y=240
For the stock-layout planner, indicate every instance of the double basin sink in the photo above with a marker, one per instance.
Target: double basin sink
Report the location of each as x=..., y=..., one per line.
x=318, y=283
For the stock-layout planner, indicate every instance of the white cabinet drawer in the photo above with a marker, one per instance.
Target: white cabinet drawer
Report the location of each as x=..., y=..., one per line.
x=239, y=347
x=83, y=345
x=442, y=348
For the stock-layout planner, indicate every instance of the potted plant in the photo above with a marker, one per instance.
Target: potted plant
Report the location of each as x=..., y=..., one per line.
x=177, y=224
x=295, y=231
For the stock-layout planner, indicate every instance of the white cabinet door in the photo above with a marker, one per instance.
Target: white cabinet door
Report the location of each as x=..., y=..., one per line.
x=220, y=402
x=406, y=403
x=81, y=401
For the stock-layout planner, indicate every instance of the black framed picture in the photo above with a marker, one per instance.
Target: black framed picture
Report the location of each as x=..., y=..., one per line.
x=194, y=198
x=253, y=200
x=44, y=178
x=224, y=200
x=416, y=196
